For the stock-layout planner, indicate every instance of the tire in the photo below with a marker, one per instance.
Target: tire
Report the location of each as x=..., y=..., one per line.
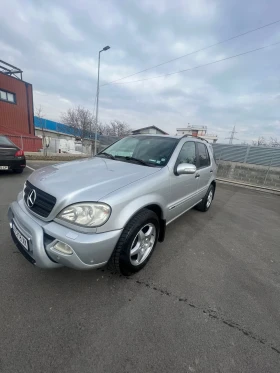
x=18, y=171
x=139, y=236
x=204, y=205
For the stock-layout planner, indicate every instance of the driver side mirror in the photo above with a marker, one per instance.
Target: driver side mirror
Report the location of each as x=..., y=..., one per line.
x=185, y=169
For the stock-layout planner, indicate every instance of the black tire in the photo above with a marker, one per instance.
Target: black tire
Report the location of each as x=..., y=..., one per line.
x=203, y=206
x=120, y=260
x=18, y=171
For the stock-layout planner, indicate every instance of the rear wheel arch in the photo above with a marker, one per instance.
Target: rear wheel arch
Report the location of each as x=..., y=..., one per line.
x=214, y=185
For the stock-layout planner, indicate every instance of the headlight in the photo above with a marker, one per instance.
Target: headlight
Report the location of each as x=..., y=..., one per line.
x=86, y=214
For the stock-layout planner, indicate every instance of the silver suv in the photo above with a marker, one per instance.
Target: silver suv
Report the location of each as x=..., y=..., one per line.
x=113, y=208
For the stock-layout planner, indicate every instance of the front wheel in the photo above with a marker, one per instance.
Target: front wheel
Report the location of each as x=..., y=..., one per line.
x=205, y=204
x=136, y=243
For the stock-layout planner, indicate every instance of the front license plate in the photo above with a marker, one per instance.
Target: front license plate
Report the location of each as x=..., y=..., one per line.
x=20, y=237
x=4, y=167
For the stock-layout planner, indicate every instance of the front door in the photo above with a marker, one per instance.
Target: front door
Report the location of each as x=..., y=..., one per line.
x=183, y=187
x=204, y=169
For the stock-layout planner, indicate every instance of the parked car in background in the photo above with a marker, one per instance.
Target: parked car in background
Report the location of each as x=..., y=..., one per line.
x=11, y=156
x=114, y=207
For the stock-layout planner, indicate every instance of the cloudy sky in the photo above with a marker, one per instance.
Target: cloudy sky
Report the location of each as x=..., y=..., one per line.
x=56, y=44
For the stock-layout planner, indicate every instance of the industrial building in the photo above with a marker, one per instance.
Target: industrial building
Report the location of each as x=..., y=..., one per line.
x=197, y=131
x=151, y=130
x=16, y=108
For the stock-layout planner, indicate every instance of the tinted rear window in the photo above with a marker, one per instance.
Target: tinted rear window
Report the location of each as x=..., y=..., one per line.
x=5, y=141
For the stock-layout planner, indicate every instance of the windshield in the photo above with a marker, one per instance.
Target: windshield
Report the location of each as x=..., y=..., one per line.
x=153, y=150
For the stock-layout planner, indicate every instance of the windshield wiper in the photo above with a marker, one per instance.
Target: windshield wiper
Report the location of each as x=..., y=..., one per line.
x=108, y=155
x=136, y=160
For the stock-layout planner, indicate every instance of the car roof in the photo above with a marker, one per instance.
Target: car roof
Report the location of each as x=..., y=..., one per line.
x=198, y=139
x=154, y=135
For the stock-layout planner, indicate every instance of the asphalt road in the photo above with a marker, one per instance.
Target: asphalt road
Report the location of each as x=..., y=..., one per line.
x=208, y=301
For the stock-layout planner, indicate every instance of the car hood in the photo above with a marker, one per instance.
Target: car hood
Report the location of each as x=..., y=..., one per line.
x=88, y=179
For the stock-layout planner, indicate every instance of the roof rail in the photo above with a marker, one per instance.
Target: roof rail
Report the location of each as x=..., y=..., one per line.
x=196, y=137
x=186, y=136
x=200, y=138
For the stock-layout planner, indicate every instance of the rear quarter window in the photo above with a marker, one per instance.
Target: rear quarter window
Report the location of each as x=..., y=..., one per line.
x=211, y=150
x=203, y=155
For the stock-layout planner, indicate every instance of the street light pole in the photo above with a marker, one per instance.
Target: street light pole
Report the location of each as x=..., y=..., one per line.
x=97, y=97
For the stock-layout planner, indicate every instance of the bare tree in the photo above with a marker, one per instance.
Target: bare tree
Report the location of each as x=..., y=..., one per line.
x=42, y=123
x=39, y=112
x=274, y=142
x=103, y=129
x=115, y=128
x=80, y=120
x=260, y=142
x=118, y=128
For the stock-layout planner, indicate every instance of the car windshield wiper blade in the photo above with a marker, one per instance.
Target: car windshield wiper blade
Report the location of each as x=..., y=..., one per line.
x=108, y=155
x=136, y=160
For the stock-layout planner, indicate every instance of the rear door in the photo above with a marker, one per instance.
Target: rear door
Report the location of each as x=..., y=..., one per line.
x=205, y=169
x=183, y=187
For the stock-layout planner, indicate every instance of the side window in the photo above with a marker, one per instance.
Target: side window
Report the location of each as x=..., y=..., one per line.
x=203, y=155
x=187, y=153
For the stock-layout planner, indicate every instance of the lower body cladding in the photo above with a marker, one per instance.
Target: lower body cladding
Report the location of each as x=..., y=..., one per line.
x=48, y=244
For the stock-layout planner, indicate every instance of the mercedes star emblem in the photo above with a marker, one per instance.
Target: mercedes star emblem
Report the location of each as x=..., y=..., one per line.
x=31, y=198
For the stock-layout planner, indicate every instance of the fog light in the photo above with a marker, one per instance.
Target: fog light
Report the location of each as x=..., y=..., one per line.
x=63, y=248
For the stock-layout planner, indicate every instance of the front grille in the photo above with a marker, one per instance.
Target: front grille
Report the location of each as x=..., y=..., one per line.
x=44, y=202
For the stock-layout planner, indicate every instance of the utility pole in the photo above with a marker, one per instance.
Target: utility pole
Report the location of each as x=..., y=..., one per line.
x=97, y=98
x=231, y=138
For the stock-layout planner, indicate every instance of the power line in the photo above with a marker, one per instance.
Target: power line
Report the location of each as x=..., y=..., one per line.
x=231, y=138
x=196, y=67
x=199, y=50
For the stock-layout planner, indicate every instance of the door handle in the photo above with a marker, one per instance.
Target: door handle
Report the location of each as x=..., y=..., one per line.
x=211, y=170
x=197, y=175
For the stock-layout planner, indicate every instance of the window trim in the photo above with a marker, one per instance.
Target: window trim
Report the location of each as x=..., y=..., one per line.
x=176, y=163
x=9, y=102
x=197, y=156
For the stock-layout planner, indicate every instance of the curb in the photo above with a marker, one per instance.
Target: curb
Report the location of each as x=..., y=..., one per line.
x=53, y=158
x=249, y=186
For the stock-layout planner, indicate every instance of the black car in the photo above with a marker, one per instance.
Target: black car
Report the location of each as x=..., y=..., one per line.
x=11, y=156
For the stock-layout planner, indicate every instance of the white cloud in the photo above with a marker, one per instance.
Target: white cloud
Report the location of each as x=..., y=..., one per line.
x=206, y=9
x=56, y=44
x=60, y=17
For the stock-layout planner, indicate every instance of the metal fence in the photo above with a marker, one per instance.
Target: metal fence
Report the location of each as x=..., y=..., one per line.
x=258, y=166
x=259, y=155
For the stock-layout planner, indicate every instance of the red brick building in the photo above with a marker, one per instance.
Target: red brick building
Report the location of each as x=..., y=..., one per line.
x=16, y=108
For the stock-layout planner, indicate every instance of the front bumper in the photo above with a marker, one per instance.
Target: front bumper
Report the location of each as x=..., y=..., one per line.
x=89, y=250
